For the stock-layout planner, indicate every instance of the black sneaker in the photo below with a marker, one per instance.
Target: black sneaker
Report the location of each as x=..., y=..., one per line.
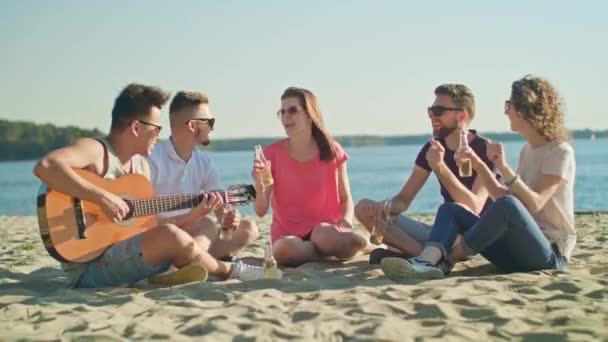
x=380, y=253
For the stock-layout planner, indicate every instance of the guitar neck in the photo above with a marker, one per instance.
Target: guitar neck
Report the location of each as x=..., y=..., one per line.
x=150, y=206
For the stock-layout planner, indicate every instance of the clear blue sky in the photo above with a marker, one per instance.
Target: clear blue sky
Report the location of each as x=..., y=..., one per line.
x=373, y=64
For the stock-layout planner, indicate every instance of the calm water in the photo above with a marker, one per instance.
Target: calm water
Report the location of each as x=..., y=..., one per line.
x=375, y=172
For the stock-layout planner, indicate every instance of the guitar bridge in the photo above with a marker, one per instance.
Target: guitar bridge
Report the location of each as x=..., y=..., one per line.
x=81, y=220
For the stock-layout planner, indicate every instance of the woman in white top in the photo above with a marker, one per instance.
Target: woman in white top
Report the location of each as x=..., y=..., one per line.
x=530, y=226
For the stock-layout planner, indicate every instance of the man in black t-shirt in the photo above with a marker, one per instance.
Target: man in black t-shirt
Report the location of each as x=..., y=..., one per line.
x=451, y=113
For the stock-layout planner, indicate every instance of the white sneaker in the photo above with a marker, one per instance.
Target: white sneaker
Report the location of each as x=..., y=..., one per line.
x=399, y=269
x=245, y=272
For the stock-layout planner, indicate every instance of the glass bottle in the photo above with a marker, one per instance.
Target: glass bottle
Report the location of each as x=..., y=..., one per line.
x=271, y=270
x=267, y=179
x=377, y=235
x=225, y=234
x=465, y=168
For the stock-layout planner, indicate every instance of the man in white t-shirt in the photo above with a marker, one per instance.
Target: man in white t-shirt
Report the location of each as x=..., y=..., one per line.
x=178, y=166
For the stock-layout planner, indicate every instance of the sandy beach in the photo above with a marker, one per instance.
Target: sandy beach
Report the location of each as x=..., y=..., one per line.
x=327, y=301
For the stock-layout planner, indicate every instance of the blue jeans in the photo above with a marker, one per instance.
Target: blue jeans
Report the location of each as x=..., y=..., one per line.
x=121, y=265
x=417, y=230
x=506, y=235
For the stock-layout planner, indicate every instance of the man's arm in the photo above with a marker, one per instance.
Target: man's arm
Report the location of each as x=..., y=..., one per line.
x=459, y=193
x=410, y=189
x=493, y=187
x=474, y=199
x=399, y=204
x=56, y=168
x=212, y=203
x=202, y=209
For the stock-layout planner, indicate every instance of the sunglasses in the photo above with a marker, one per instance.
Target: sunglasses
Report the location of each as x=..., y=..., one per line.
x=508, y=104
x=439, y=110
x=158, y=127
x=290, y=111
x=209, y=122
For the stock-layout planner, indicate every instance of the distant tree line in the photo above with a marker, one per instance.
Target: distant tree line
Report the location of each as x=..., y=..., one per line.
x=21, y=140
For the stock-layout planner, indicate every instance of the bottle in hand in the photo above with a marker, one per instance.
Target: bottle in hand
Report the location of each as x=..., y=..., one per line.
x=377, y=237
x=267, y=179
x=465, y=168
x=271, y=270
x=225, y=234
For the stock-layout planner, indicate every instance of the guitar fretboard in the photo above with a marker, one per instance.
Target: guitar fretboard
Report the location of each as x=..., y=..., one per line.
x=149, y=206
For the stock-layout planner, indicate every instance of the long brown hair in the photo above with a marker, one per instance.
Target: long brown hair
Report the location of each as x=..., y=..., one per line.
x=309, y=102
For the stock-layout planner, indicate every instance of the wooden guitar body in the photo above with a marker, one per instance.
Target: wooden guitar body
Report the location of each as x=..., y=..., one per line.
x=73, y=230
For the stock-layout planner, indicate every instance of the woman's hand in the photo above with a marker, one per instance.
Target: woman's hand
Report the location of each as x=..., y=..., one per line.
x=258, y=168
x=496, y=154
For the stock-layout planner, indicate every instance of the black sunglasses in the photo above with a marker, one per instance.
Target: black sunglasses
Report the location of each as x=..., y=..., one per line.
x=439, y=110
x=290, y=111
x=159, y=128
x=508, y=104
x=209, y=122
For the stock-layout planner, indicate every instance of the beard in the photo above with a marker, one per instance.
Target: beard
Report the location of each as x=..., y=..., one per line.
x=444, y=132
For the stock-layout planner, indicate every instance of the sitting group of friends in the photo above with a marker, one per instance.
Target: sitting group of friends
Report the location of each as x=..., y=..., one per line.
x=519, y=220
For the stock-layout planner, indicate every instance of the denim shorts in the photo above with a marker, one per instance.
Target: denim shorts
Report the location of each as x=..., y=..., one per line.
x=121, y=265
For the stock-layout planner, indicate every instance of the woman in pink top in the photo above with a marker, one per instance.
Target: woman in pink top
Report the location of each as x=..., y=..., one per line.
x=311, y=200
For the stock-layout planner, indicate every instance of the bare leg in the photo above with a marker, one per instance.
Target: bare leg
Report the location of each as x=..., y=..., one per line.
x=431, y=254
x=169, y=243
x=246, y=233
x=393, y=235
x=331, y=242
x=204, y=231
x=293, y=251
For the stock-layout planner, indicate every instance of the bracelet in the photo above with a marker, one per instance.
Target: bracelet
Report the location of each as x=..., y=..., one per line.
x=509, y=183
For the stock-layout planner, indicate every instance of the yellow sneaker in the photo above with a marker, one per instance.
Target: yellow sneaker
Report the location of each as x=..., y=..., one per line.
x=184, y=275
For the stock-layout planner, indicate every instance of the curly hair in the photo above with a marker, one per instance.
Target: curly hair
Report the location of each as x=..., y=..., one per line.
x=541, y=105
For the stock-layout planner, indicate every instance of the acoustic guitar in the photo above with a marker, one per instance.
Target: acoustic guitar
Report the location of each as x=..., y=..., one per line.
x=75, y=230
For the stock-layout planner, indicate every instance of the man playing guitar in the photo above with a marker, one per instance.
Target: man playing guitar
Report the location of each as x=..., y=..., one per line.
x=134, y=132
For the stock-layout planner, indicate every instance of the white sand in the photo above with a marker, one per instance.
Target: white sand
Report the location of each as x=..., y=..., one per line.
x=318, y=301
